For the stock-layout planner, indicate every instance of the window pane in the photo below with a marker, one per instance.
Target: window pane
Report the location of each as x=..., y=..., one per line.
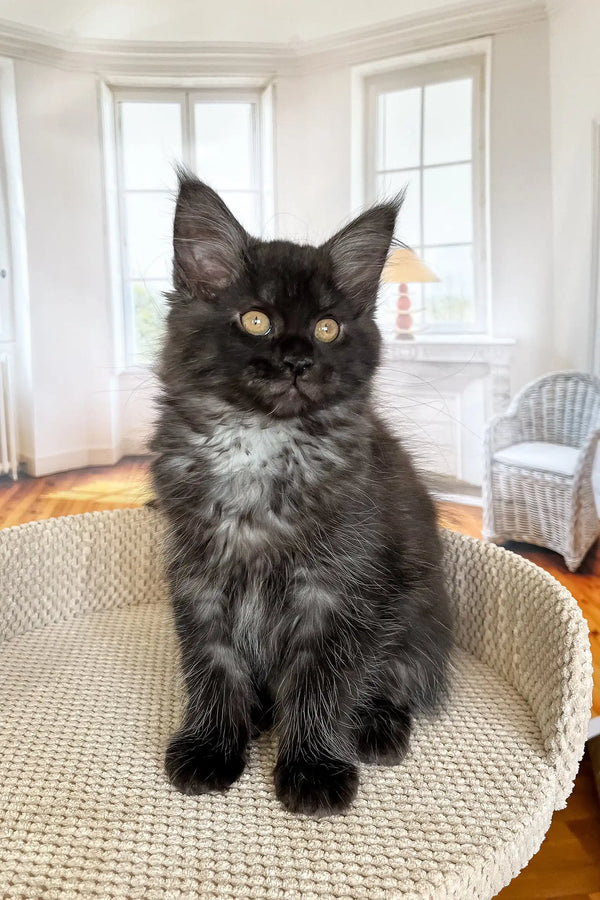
x=399, y=129
x=408, y=225
x=448, y=121
x=245, y=207
x=224, y=144
x=149, y=234
x=452, y=299
x=149, y=309
x=151, y=143
x=448, y=205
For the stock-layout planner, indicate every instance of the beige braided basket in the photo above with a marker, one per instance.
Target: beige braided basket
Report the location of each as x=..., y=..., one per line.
x=90, y=692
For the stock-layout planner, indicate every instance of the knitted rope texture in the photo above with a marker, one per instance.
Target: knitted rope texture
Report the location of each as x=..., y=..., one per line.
x=89, y=692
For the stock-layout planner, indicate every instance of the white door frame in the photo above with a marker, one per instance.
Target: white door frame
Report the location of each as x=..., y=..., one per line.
x=595, y=253
x=19, y=344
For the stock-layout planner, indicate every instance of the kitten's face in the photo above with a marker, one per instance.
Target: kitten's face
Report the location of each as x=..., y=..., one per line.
x=275, y=327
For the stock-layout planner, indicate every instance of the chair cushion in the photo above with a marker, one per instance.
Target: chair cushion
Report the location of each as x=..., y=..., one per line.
x=556, y=458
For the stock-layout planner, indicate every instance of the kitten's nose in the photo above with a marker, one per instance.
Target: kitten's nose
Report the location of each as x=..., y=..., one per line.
x=297, y=364
x=296, y=355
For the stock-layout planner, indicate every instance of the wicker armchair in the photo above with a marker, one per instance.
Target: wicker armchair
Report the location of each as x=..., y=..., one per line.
x=539, y=460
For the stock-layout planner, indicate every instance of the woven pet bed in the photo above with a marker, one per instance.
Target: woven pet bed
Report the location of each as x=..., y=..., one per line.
x=89, y=693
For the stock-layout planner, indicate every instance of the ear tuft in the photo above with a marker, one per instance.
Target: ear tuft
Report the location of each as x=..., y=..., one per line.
x=209, y=243
x=358, y=252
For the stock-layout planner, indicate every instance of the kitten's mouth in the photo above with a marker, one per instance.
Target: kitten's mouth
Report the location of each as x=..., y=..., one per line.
x=291, y=401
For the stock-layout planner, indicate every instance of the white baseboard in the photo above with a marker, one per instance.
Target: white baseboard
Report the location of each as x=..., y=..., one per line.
x=71, y=459
x=463, y=499
x=134, y=447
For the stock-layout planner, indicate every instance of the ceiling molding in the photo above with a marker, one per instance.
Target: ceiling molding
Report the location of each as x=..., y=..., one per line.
x=140, y=57
x=110, y=58
x=433, y=29
x=557, y=6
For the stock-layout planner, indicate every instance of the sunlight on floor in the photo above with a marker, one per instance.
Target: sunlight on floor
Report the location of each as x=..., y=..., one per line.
x=100, y=491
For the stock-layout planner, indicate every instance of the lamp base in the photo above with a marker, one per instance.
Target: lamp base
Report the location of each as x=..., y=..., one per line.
x=405, y=327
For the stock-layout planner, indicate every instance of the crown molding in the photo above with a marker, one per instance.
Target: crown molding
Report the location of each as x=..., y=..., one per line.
x=111, y=59
x=557, y=6
x=449, y=25
x=178, y=58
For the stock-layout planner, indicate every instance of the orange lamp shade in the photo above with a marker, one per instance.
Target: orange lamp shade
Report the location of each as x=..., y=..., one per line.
x=403, y=265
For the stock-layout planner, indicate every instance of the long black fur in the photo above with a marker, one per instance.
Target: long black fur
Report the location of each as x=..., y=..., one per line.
x=303, y=555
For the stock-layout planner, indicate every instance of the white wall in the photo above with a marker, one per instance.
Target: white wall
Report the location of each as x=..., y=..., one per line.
x=70, y=319
x=313, y=153
x=521, y=199
x=575, y=83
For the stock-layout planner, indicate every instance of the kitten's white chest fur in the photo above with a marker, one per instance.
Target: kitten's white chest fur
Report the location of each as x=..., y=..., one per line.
x=247, y=451
x=248, y=464
x=258, y=473
x=246, y=459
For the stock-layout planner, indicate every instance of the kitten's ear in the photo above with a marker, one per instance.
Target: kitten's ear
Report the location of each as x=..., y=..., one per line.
x=208, y=241
x=359, y=250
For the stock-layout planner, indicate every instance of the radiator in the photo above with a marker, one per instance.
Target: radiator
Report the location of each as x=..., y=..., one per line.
x=8, y=417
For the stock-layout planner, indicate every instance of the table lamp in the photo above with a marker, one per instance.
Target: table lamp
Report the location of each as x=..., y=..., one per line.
x=404, y=267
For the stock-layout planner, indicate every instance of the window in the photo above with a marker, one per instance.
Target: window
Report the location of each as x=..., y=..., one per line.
x=216, y=135
x=426, y=133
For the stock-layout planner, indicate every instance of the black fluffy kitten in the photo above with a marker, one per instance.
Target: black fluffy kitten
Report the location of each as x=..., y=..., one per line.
x=303, y=554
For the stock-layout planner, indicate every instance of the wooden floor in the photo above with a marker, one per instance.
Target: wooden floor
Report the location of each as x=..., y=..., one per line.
x=568, y=864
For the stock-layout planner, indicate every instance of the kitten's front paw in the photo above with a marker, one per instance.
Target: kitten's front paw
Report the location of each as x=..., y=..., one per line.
x=194, y=768
x=385, y=735
x=323, y=788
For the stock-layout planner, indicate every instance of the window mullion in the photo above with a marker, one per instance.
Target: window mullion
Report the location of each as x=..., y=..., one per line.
x=422, y=192
x=257, y=178
x=188, y=132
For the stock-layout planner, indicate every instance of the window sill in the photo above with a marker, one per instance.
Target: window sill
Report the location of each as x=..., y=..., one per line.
x=136, y=371
x=450, y=337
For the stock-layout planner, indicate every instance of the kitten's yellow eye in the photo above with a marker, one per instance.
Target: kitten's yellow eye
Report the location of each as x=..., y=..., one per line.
x=326, y=330
x=256, y=322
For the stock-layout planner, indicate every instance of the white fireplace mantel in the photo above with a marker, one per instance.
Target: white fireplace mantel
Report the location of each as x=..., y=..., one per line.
x=450, y=348
x=440, y=391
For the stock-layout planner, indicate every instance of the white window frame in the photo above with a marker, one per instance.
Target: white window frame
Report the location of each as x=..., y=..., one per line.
x=419, y=75
x=186, y=97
